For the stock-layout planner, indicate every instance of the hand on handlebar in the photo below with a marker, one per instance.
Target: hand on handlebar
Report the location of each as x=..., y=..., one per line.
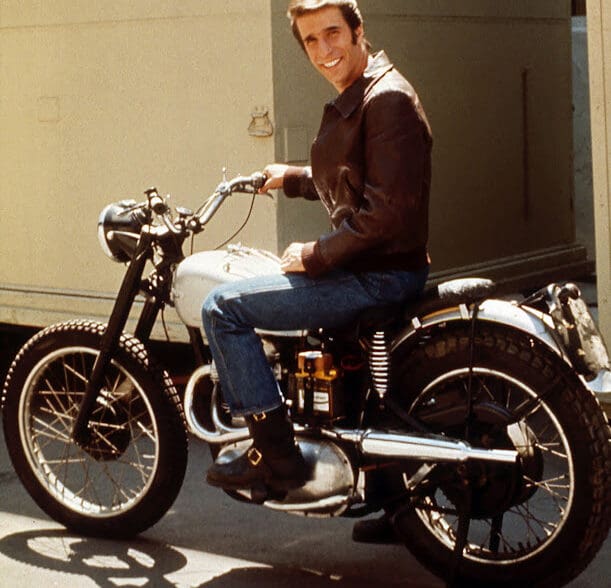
x=274, y=174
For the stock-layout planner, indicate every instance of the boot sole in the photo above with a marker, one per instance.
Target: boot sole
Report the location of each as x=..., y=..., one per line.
x=272, y=484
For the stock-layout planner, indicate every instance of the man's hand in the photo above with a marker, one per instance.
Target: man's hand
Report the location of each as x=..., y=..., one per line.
x=275, y=177
x=290, y=262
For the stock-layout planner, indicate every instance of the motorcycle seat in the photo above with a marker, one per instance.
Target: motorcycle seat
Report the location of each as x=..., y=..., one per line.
x=434, y=298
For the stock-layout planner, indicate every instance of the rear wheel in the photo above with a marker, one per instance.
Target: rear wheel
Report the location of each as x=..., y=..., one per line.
x=537, y=523
x=130, y=471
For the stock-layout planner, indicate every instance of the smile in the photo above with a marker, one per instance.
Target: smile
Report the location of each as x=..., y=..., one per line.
x=331, y=64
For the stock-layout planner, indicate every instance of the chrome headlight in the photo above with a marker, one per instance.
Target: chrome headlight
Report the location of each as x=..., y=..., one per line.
x=119, y=227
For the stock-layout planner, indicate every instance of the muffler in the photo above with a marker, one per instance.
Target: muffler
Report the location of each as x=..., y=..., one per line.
x=422, y=447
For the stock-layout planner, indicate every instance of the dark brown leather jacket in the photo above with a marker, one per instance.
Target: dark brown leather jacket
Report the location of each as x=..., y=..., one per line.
x=371, y=168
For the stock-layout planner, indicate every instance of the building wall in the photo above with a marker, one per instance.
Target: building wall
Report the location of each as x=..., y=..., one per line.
x=99, y=101
x=582, y=139
x=599, y=52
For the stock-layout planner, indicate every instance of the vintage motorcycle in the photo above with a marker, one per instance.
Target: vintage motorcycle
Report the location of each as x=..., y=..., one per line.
x=472, y=420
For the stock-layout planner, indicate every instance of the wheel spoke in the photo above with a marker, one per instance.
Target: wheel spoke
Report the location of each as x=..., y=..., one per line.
x=47, y=430
x=543, y=497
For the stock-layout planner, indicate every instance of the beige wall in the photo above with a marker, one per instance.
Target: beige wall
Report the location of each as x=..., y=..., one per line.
x=100, y=100
x=599, y=49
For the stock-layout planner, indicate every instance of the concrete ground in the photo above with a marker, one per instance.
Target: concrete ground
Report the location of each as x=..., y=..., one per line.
x=207, y=539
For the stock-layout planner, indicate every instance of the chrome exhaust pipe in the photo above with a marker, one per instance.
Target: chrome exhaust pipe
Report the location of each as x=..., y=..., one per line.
x=421, y=447
x=221, y=433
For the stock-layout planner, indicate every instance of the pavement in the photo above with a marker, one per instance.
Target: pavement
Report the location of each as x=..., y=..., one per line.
x=208, y=539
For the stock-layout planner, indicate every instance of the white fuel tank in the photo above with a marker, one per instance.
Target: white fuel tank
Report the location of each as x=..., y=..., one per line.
x=199, y=273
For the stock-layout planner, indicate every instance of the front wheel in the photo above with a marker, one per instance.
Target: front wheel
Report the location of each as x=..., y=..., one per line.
x=535, y=524
x=130, y=471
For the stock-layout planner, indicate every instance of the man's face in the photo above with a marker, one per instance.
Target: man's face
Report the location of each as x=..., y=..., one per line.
x=329, y=44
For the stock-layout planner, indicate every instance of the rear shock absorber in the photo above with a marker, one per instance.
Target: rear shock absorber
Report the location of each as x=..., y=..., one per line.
x=379, y=363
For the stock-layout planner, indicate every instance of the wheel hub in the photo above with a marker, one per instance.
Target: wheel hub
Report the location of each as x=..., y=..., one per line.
x=109, y=434
x=496, y=486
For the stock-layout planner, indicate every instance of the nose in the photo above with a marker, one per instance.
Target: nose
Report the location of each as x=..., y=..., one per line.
x=324, y=48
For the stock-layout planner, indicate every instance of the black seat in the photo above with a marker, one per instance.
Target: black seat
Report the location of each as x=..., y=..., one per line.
x=443, y=295
x=451, y=293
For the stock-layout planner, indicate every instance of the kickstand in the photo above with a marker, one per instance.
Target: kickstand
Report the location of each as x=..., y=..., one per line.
x=462, y=532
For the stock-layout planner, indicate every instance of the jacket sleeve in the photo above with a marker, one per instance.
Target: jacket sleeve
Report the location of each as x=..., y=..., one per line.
x=393, y=204
x=298, y=183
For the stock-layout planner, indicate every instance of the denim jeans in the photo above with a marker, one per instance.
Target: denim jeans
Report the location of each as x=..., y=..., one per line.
x=286, y=302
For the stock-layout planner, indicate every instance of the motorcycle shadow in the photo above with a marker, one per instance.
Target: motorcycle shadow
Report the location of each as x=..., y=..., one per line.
x=145, y=562
x=107, y=563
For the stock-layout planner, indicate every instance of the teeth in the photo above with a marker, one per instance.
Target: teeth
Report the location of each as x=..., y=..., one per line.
x=331, y=64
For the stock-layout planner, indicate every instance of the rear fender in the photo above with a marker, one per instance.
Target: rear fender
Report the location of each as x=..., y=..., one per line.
x=526, y=319
x=503, y=312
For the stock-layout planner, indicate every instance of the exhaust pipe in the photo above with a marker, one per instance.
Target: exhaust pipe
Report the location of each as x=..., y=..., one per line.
x=422, y=447
x=221, y=432
x=371, y=442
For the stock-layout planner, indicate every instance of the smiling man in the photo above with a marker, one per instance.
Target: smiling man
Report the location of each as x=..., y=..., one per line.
x=371, y=169
x=338, y=52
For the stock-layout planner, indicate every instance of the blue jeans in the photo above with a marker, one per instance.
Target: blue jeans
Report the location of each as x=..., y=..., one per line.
x=286, y=302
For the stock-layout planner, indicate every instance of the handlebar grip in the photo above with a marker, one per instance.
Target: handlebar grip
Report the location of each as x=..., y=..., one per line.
x=156, y=202
x=258, y=180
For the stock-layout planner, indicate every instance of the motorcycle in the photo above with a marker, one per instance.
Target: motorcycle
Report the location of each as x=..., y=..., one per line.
x=472, y=420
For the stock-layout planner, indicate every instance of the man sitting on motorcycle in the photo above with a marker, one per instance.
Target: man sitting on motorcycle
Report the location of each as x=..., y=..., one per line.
x=371, y=168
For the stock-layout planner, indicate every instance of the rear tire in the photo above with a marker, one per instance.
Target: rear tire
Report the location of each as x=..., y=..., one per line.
x=127, y=477
x=539, y=525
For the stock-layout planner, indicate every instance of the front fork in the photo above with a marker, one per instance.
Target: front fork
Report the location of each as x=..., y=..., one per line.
x=130, y=287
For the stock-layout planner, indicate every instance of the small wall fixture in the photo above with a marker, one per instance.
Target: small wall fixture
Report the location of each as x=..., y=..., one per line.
x=260, y=124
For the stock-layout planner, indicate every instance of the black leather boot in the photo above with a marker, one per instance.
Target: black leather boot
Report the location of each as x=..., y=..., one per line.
x=273, y=461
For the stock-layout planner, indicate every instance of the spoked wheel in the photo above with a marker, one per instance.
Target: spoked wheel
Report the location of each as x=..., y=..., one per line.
x=539, y=522
x=127, y=475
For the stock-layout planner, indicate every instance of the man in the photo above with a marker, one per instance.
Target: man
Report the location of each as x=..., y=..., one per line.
x=371, y=168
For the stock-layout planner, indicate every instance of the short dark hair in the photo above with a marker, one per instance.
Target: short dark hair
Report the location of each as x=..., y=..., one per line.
x=349, y=9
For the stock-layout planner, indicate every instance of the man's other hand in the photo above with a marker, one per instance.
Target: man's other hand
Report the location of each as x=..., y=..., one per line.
x=290, y=262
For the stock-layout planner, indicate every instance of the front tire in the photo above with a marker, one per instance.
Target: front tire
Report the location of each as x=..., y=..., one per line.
x=539, y=524
x=129, y=473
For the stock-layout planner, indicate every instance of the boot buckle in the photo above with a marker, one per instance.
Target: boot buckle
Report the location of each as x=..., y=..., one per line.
x=254, y=456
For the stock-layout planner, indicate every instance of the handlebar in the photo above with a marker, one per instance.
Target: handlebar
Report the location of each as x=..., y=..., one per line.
x=195, y=222
x=246, y=184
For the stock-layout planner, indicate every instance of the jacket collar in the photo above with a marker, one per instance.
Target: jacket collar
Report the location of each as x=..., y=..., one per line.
x=347, y=102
